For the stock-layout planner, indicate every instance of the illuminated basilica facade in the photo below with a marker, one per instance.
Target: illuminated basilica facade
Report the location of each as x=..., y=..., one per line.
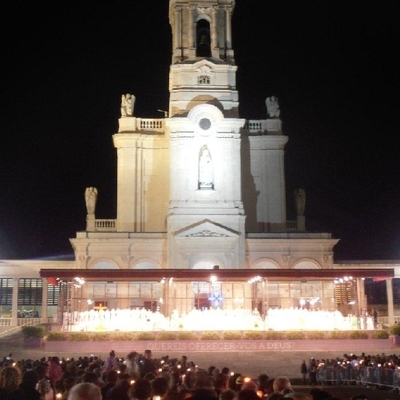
x=201, y=221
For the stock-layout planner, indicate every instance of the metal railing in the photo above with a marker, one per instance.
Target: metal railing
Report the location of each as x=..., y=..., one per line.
x=375, y=375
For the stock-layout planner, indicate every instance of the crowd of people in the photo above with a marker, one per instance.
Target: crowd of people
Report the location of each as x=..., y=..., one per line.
x=143, y=377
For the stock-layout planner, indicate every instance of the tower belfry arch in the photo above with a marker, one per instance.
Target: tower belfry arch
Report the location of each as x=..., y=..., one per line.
x=201, y=29
x=203, y=39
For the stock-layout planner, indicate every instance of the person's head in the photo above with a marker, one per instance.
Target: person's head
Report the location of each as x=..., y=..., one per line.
x=42, y=370
x=249, y=383
x=190, y=377
x=91, y=377
x=112, y=376
x=68, y=383
x=232, y=381
x=124, y=377
x=220, y=381
x=202, y=379
x=122, y=368
x=30, y=378
x=133, y=355
x=247, y=394
x=298, y=396
x=281, y=383
x=159, y=386
x=269, y=387
x=10, y=378
x=262, y=380
x=225, y=370
x=112, y=353
x=141, y=389
x=239, y=382
x=85, y=391
x=148, y=354
x=227, y=394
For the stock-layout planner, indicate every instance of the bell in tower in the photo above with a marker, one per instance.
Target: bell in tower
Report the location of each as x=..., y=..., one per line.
x=203, y=47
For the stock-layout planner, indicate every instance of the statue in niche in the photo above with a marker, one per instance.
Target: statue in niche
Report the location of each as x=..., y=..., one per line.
x=206, y=176
x=273, y=107
x=127, y=105
x=300, y=200
x=91, y=199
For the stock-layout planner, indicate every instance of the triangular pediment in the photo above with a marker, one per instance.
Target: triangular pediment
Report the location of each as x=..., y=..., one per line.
x=206, y=228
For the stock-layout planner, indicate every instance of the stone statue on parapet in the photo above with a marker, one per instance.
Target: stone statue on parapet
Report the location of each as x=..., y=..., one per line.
x=273, y=107
x=300, y=200
x=91, y=199
x=127, y=105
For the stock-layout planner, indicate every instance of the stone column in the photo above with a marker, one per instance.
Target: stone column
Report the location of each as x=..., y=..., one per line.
x=214, y=43
x=14, y=318
x=191, y=32
x=178, y=35
x=360, y=297
x=44, y=301
x=389, y=291
x=228, y=12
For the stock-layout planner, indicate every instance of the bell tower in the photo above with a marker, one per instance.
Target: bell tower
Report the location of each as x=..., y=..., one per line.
x=201, y=28
x=206, y=214
x=203, y=67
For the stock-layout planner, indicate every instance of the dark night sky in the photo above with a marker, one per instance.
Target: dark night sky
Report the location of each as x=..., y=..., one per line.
x=332, y=67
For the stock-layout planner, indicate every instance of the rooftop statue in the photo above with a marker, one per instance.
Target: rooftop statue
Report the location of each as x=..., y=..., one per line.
x=90, y=199
x=127, y=105
x=272, y=107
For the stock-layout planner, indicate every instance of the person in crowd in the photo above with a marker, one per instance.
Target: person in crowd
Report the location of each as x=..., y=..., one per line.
x=132, y=365
x=262, y=382
x=247, y=394
x=141, y=389
x=312, y=371
x=84, y=391
x=227, y=394
x=239, y=382
x=67, y=384
x=28, y=385
x=159, y=387
x=91, y=377
x=45, y=385
x=203, y=387
x=281, y=383
x=10, y=381
x=303, y=371
x=121, y=391
x=110, y=362
x=54, y=371
x=147, y=364
x=220, y=382
x=111, y=381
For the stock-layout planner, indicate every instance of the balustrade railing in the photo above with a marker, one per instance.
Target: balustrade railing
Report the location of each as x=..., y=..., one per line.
x=105, y=224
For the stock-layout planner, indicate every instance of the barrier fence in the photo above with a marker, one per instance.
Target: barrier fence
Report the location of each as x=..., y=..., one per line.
x=345, y=373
